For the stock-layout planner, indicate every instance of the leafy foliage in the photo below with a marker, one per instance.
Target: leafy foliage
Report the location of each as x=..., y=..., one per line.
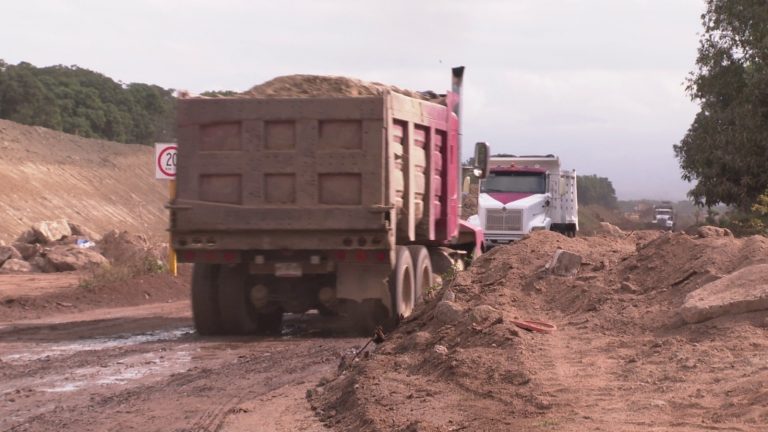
x=82, y=102
x=219, y=93
x=726, y=147
x=592, y=189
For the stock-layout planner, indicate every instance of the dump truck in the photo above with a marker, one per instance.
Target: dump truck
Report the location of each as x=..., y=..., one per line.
x=523, y=194
x=345, y=205
x=663, y=216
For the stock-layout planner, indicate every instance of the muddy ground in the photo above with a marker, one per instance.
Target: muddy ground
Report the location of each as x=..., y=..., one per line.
x=84, y=364
x=621, y=358
x=125, y=357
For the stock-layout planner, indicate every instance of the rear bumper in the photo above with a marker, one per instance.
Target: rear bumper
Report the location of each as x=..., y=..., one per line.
x=280, y=240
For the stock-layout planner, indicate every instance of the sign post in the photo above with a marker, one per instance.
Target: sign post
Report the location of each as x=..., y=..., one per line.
x=165, y=169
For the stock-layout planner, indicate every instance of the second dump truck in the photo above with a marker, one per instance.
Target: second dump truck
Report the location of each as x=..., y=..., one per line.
x=524, y=194
x=341, y=204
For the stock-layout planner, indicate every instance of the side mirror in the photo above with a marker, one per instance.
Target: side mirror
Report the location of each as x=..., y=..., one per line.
x=482, y=154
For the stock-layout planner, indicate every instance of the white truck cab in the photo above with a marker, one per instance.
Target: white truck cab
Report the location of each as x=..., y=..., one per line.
x=664, y=218
x=524, y=194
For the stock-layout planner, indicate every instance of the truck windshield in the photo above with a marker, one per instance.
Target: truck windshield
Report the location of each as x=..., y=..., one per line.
x=663, y=212
x=515, y=182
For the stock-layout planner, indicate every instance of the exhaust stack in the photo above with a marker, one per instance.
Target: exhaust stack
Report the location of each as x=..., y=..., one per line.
x=456, y=83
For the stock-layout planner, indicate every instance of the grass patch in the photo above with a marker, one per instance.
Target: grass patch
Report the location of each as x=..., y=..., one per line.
x=549, y=423
x=140, y=265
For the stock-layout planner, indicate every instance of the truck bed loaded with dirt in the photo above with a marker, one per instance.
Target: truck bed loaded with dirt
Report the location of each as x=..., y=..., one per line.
x=332, y=195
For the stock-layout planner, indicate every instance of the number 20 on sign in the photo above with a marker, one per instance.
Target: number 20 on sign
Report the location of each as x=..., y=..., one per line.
x=165, y=169
x=165, y=161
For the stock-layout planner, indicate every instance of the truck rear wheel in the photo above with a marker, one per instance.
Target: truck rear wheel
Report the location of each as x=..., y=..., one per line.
x=270, y=322
x=238, y=316
x=402, y=284
x=422, y=267
x=205, y=302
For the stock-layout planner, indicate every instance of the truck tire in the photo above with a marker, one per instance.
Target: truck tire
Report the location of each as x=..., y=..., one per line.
x=402, y=285
x=238, y=316
x=205, y=302
x=270, y=322
x=422, y=268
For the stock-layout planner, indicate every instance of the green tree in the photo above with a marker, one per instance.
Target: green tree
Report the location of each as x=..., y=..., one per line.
x=592, y=189
x=86, y=103
x=219, y=93
x=725, y=150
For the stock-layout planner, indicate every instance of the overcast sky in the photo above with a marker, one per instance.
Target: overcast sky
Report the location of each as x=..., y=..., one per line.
x=598, y=82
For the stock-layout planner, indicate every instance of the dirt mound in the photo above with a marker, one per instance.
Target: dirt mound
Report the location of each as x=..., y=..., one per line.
x=46, y=294
x=50, y=175
x=328, y=86
x=122, y=246
x=469, y=202
x=620, y=356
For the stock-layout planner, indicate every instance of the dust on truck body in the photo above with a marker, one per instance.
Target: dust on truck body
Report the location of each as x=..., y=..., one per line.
x=339, y=204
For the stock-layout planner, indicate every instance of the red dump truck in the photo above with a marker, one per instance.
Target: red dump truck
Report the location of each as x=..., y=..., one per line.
x=341, y=204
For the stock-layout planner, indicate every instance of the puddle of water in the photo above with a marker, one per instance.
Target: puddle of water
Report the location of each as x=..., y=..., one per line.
x=122, y=372
x=56, y=350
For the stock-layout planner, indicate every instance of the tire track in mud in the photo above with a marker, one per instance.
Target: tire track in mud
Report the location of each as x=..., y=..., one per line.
x=167, y=378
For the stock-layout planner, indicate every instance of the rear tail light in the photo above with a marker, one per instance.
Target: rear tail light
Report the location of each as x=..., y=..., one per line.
x=213, y=257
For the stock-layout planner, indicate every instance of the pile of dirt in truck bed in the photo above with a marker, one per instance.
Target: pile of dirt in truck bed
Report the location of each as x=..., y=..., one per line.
x=48, y=175
x=621, y=358
x=329, y=86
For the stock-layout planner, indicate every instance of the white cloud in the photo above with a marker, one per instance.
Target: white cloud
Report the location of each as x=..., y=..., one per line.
x=597, y=81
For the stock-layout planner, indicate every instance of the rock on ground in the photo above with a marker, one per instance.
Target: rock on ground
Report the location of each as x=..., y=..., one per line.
x=484, y=313
x=43, y=264
x=68, y=258
x=79, y=230
x=629, y=287
x=27, y=236
x=9, y=252
x=564, y=263
x=448, y=312
x=50, y=231
x=16, y=266
x=28, y=250
x=710, y=231
x=122, y=246
x=610, y=229
x=743, y=291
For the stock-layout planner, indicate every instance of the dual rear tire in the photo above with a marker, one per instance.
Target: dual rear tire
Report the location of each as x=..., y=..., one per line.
x=221, y=303
x=410, y=279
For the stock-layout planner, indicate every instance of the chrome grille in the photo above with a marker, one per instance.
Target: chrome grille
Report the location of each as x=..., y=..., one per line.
x=504, y=220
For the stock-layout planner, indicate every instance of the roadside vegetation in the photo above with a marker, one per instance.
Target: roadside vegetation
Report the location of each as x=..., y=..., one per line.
x=140, y=264
x=82, y=102
x=725, y=149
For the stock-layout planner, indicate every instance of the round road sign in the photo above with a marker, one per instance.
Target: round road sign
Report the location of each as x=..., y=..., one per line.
x=165, y=162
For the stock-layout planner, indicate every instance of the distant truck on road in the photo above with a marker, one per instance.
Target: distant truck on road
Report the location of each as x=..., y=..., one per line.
x=664, y=216
x=341, y=204
x=524, y=194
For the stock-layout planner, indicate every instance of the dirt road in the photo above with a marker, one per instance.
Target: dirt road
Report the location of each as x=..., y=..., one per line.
x=125, y=357
x=621, y=360
x=142, y=368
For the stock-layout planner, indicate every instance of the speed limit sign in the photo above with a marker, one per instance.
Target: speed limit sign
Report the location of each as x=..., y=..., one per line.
x=165, y=161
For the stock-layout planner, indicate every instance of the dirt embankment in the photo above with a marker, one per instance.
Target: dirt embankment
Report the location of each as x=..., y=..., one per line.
x=622, y=359
x=52, y=175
